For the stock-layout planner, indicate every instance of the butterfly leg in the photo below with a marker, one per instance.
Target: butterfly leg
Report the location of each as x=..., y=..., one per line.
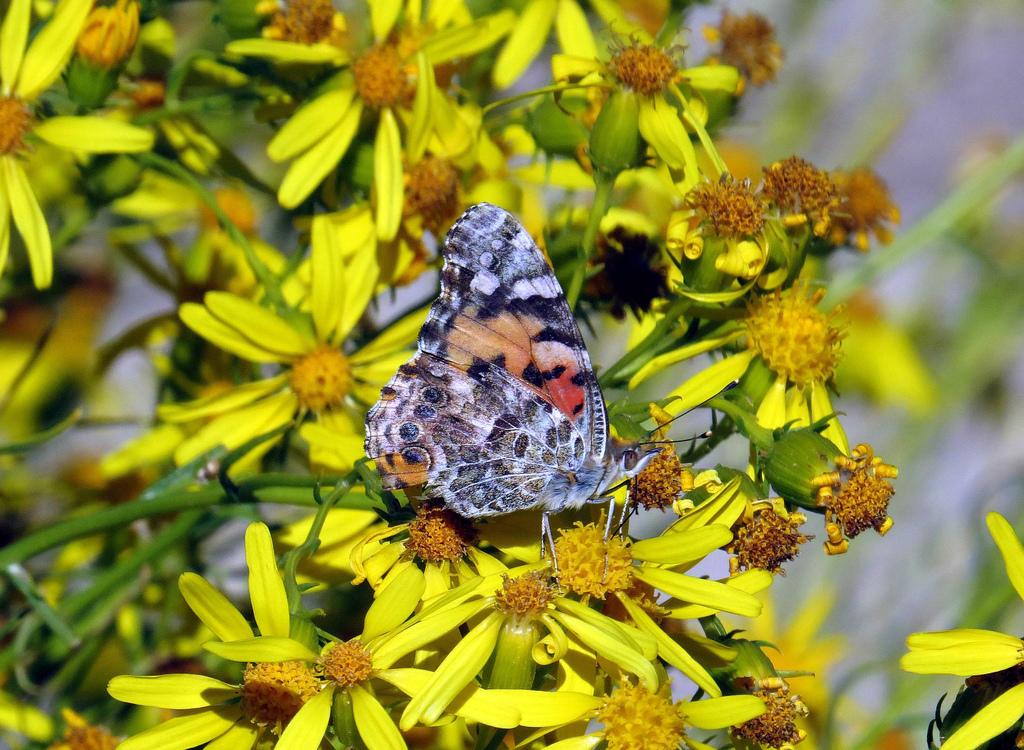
x=608, y=535
x=546, y=538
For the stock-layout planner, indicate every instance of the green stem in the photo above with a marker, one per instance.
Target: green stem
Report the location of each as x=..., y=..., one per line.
x=973, y=193
x=553, y=89
x=266, y=278
x=292, y=491
x=602, y=195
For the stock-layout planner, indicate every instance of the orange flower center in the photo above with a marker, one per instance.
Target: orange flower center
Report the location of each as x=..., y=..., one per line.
x=802, y=190
x=306, y=22
x=15, y=120
x=526, y=595
x=348, y=663
x=438, y=535
x=856, y=497
x=643, y=68
x=764, y=539
x=730, y=206
x=272, y=693
x=634, y=718
x=381, y=79
x=776, y=727
x=432, y=193
x=587, y=565
x=749, y=43
x=322, y=379
x=80, y=735
x=660, y=483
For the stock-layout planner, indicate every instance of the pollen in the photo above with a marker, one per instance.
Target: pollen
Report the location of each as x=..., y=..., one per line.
x=660, y=483
x=856, y=497
x=749, y=45
x=794, y=338
x=381, y=79
x=634, y=718
x=273, y=692
x=348, y=663
x=15, y=120
x=307, y=22
x=866, y=209
x=765, y=537
x=776, y=727
x=439, y=535
x=730, y=206
x=80, y=735
x=590, y=566
x=321, y=379
x=527, y=595
x=804, y=192
x=644, y=68
x=432, y=193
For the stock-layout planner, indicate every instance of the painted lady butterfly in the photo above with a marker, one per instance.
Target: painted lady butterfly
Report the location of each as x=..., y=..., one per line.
x=500, y=409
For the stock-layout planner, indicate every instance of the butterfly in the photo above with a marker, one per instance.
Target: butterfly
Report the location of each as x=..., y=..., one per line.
x=499, y=410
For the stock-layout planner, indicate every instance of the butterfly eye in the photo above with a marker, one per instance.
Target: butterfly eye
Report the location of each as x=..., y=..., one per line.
x=629, y=459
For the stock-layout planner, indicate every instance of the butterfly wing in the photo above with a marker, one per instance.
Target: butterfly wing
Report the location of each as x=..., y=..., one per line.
x=500, y=406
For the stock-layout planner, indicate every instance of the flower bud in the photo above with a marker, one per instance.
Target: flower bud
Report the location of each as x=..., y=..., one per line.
x=111, y=177
x=106, y=41
x=615, y=142
x=554, y=130
x=796, y=464
x=241, y=18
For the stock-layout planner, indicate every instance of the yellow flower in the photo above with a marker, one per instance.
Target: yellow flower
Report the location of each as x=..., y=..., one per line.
x=276, y=682
x=79, y=734
x=990, y=659
x=24, y=719
x=668, y=99
x=109, y=34
x=394, y=81
x=317, y=377
x=635, y=717
x=866, y=208
x=26, y=71
x=749, y=44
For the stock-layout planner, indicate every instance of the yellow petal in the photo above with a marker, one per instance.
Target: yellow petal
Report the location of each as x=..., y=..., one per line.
x=202, y=321
x=1010, y=548
x=213, y=608
x=399, y=335
x=708, y=383
x=395, y=602
x=51, y=49
x=283, y=51
x=573, y=30
x=473, y=703
x=31, y=223
x=311, y=123
x=547, y=709
x=361, y=274
x=572, y=67
x=219, y=403
x=821, y=406
x=5, y=225
x=94, y=135
x=771, y=412
x=423, y=632
x=700, y=591
x=712, y=78
x=457, y=670
x=327, y=293
x=233, y=429
x=421, y=126
x=383, y=14
x=661, y=126
x=241, y=736
x=671, y=651
x=586, y=742
x=611, y=648
x=525, y=41
x=13, y=35
x=374, y=724
x=719, y=713
x=25, y=719
x=307, y=728
x=964, y=652
x=266, y=648
x=994, y=719
x=266, y=589
x=258, y=324
x=463, y=41
x=675, y=548
x=387, y=175
x=175, y=691
x=307, y=171
x=183, y=732
x=749, y=582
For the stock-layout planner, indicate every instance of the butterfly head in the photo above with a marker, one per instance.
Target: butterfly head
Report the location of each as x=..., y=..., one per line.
x=631, y=458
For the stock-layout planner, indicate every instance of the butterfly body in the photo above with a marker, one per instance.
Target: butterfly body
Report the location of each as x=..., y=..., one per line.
x=499, y=410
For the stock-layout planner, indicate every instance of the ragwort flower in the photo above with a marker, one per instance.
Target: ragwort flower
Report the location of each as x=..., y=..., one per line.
x=866, y=208
x=993, y=662
x=317, y=376
x=26, y=72
x=275, y=685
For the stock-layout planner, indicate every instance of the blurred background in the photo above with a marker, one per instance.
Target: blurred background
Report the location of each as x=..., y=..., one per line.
x=931, y=95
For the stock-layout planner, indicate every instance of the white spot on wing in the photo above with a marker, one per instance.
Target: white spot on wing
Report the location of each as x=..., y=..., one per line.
x=484, y=282
x=524, y=288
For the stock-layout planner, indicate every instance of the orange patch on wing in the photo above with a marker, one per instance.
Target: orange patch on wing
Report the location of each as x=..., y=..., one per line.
x=397, y=472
